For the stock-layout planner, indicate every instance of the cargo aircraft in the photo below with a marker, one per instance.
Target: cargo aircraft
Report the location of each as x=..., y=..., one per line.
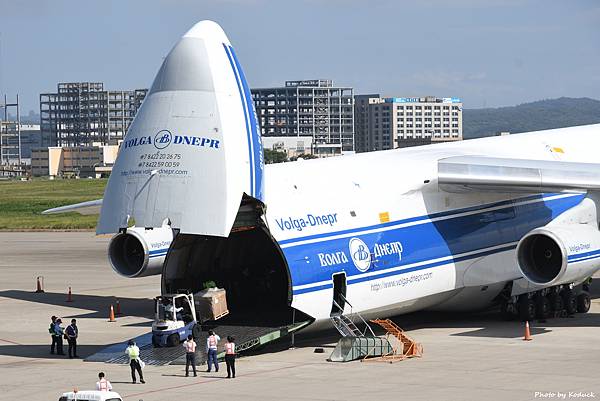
x=507, y=220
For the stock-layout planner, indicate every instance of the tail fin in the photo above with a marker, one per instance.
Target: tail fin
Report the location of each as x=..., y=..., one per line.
x=194, y=148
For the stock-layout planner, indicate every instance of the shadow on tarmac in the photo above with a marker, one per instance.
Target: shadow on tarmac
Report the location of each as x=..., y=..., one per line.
x=99, y=305
x=43, y=351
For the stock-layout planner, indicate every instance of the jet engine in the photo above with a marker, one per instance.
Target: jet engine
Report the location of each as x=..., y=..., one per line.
x=140, y=252
x=554, y=255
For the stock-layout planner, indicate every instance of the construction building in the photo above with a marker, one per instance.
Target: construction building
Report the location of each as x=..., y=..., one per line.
x=310, y=108
x=82, y=113
x=398, y=122
x=10, y=134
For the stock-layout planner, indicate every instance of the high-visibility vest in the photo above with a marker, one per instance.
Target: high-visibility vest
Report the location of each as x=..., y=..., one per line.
x=212, y=341
x=190, y=346
x=103, y=385
x=230, y=348
x=133, y=352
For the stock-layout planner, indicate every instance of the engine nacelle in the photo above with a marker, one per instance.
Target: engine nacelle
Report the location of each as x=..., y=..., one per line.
x=554, y=255
x=139, y=252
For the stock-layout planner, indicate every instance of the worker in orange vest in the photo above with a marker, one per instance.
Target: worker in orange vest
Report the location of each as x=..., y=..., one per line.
x=211, y=350
x=190, y=355
x=230, y=356
x=102, y=384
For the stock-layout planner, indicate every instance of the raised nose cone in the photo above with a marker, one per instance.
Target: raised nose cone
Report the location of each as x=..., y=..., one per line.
x=194, y=148
x=207, y=30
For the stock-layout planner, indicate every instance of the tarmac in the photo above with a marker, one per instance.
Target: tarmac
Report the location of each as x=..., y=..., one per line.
x=466, y=356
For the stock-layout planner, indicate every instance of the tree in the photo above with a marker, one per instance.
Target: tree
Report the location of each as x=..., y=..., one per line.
x=274, y=156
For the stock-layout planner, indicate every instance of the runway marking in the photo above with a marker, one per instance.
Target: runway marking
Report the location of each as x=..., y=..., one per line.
x=218, y=379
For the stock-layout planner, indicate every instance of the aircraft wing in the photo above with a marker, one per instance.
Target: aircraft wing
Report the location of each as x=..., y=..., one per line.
x=89, y=207
x=480, y=173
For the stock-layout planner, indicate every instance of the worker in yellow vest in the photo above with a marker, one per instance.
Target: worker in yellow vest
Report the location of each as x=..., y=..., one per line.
x=135, y=363
x=230, y=357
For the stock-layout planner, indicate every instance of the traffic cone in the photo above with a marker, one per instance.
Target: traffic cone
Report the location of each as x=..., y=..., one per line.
x=527, y=333
x=111, y=317
x=69, y=296
x=118, y=311
x=40, y=287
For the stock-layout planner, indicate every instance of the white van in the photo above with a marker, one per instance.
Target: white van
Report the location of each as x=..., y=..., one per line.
x=90, y=396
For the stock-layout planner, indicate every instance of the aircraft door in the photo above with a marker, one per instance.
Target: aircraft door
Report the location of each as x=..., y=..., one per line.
x=339, y=293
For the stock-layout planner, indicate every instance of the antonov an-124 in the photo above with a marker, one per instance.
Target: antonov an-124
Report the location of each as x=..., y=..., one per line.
x=509, y=220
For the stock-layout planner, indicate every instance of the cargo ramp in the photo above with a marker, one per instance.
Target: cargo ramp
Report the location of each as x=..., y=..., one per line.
x=246, y=338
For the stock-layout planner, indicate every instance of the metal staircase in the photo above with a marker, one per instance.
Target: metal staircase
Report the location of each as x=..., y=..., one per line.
x=346, y=324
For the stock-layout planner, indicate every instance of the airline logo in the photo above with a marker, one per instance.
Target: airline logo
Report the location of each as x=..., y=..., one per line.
x=164, y=138
x=362, y=256
x=359, y=252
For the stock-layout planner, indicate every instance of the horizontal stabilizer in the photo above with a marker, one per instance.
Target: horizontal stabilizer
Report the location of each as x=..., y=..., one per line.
x=85, y=208
x=478, y=173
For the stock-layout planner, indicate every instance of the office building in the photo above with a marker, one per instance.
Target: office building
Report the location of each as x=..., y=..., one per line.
x=397, y=122
x=73, y=161
x=81, y=113
x=310, y=108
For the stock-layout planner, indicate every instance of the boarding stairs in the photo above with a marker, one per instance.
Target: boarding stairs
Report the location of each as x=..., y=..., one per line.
x=346, y=324
x=403, y=346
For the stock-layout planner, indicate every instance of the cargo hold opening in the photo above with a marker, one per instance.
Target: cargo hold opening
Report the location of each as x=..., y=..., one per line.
x=248, y=264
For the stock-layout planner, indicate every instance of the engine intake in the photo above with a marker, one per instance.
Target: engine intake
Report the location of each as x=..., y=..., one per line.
x=555, y=255
x=140, y=252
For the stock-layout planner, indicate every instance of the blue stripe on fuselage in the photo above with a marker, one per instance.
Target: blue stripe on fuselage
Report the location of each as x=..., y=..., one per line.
x=256, y=145
x=228, y=51
x=422, y=243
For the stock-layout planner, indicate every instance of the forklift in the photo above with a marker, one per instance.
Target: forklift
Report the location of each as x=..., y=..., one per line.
x=175, y=319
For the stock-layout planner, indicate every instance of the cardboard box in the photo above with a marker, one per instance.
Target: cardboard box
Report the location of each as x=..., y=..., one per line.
x=211, y=304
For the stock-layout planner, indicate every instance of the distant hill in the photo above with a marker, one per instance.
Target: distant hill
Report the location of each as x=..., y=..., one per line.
x=543, y=114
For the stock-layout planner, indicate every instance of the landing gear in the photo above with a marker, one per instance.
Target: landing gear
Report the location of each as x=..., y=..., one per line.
x=526, y=308
x=570, y=301
x=559, y=301
x=542, y=306
x=583, y=302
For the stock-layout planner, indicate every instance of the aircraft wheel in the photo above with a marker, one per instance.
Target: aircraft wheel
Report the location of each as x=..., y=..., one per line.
x=556, y=304
x=526, y=308
x=542, y=307
x=570, y=302
x=583, y=302
x=173, y=340
x=507, y=310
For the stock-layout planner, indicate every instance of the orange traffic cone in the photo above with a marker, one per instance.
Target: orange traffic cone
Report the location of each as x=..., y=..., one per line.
x=118, y=311
x=69, y=296
x=527, y=333
x=40, y=287
x=111, y=317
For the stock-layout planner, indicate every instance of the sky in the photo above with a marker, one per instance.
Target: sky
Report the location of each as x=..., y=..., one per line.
x=490, y=53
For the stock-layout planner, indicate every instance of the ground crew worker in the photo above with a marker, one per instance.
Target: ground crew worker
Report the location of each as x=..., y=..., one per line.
x=72, y=333
x=211, y=350
x=58, y=333
x=190, y=355
x=230, y=357
x=133, y=352
x=53, y=334
x=102, y=384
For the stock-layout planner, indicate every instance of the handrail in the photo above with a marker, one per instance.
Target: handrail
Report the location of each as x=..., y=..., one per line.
x=351, y=314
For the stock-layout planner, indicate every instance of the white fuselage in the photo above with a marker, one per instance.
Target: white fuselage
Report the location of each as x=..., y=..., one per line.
x=403, y=244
